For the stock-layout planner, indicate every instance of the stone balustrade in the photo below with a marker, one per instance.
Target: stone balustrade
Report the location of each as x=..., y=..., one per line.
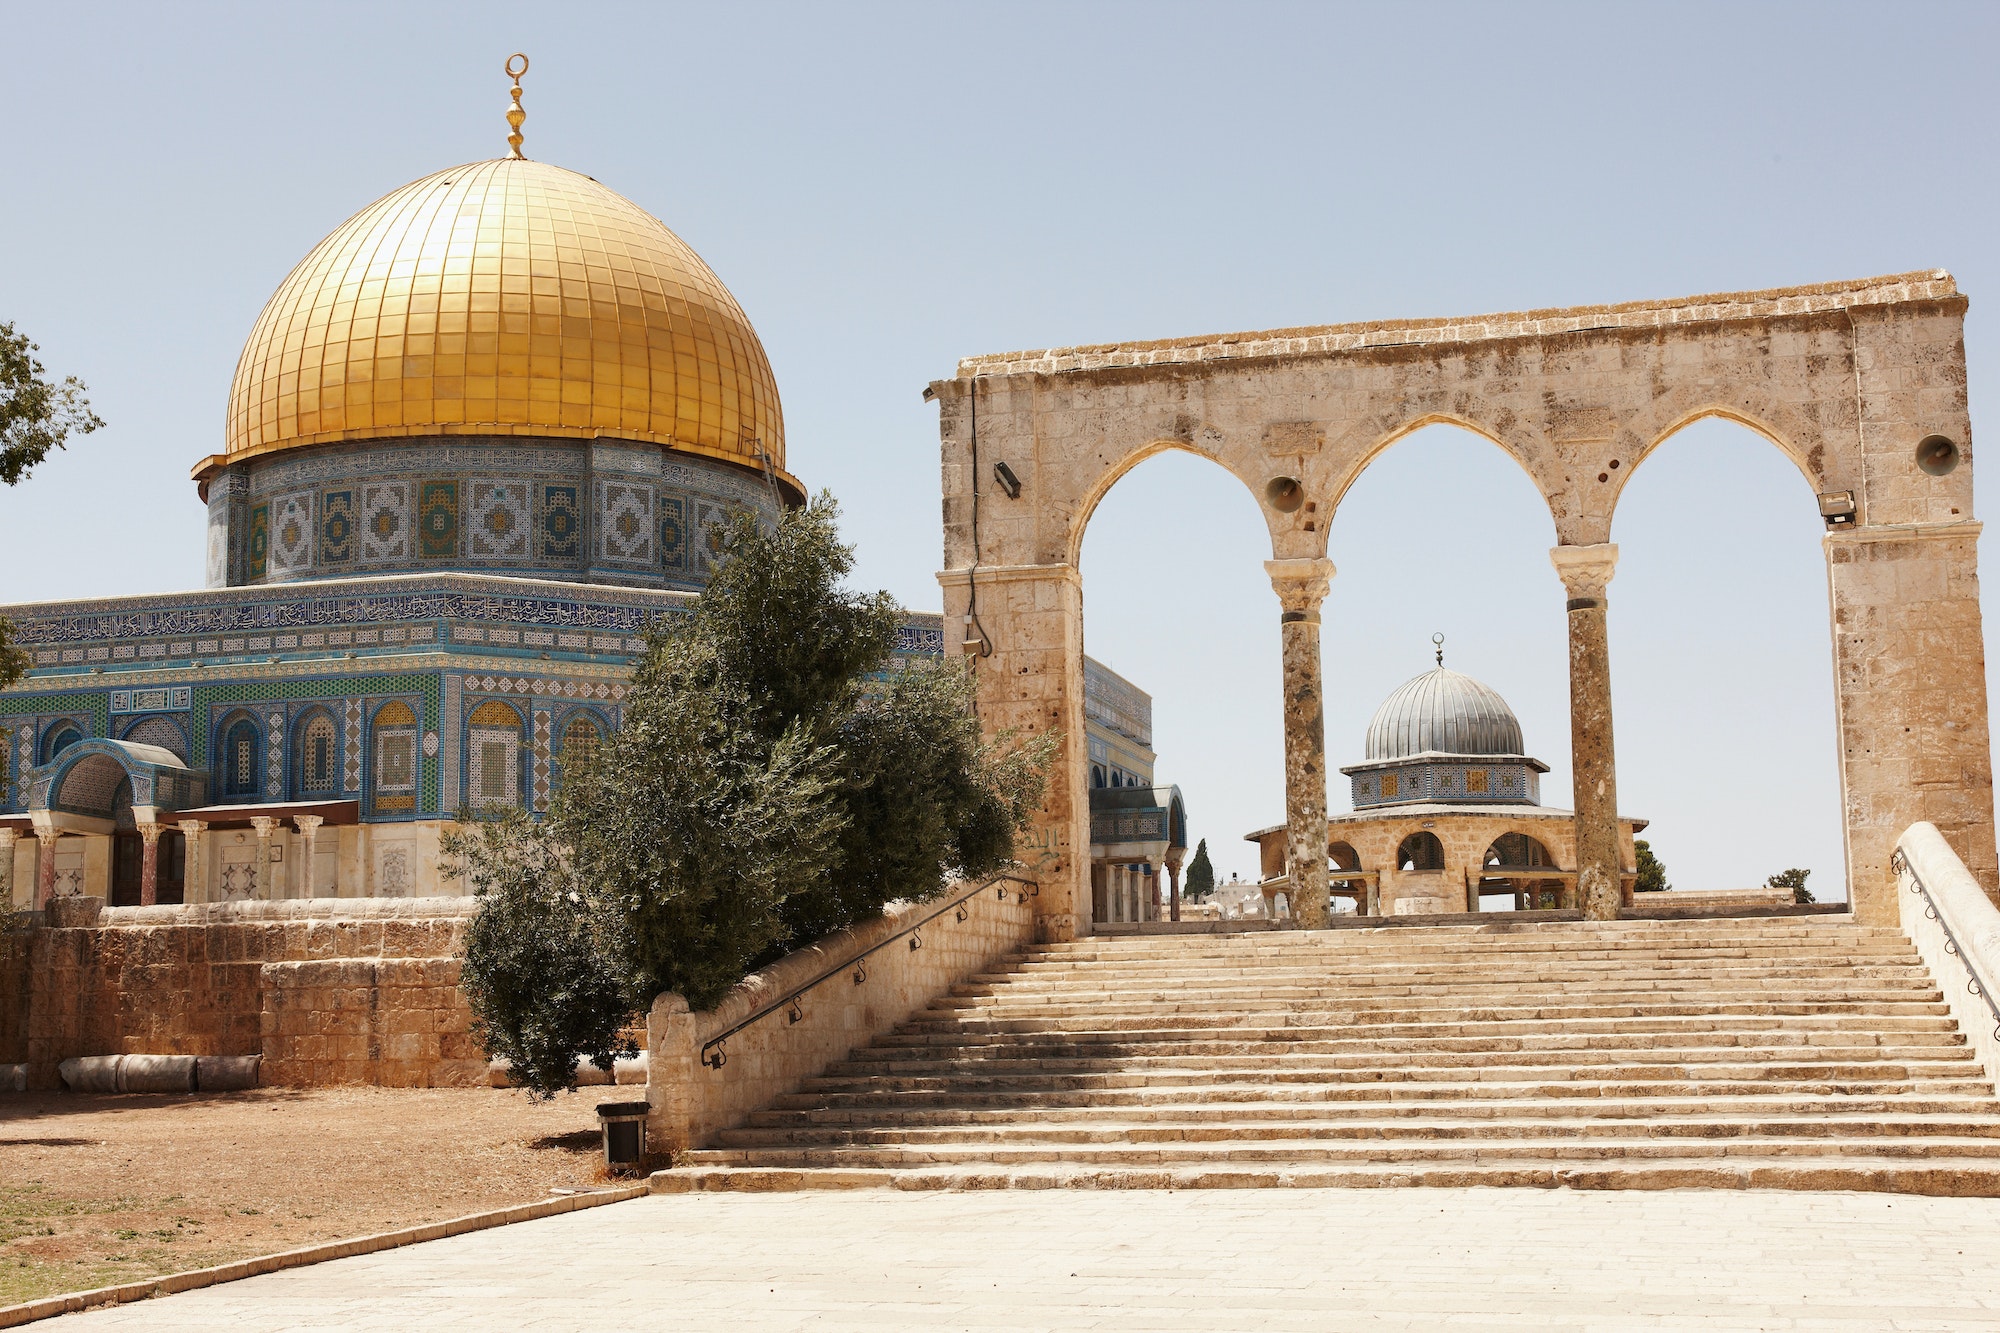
x=692, y=1101
x=1966, y=960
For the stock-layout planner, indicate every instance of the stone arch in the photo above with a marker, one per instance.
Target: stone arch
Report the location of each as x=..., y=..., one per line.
x=1564, y=391
x=1423, y=849
x=1821, y=461
x=1385, y=432
x=1101, y=485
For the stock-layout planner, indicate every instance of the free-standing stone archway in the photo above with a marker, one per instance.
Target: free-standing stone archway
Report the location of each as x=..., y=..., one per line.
x=1861, y=384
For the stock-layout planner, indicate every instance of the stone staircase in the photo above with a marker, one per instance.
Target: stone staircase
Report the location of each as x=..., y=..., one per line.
x=1802, y=1053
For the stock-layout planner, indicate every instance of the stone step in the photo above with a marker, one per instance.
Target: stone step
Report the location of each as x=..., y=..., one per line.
x=1368, y=999
x=1968, y=1178
x=1236, y=984
x=1389, y=944
x=1443, y=964
x=1068, y=1152
x=1788, y=1052
x=1832, y=1062
x=1612, y=1044
x=1353, y=1036
x=1874, y=1077
x=1171, y=1026
x=1479, y=1101
x=1194, y=1122
x=1094, y=990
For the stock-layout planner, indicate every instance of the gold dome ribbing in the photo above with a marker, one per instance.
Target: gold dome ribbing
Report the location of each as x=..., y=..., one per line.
x=508, y=297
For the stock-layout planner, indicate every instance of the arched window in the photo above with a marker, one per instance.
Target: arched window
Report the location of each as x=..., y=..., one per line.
x=579, y=745
x=1097, y=775
x=59, y=738
x=493, y=756
x=1420, y=851
x=318, y=749
x=238, y=758
x=394, y=781
x=1343, y=857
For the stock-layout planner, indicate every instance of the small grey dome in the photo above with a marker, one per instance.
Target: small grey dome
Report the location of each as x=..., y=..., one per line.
x=1443, y=712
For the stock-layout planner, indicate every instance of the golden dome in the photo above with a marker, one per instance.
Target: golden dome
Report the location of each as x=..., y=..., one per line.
x=505, y=298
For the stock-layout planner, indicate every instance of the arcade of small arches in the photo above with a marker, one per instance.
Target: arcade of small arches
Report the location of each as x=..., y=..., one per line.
x=1860, y=384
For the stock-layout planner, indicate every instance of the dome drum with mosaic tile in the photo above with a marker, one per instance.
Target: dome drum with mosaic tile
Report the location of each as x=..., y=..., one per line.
x=503, y=367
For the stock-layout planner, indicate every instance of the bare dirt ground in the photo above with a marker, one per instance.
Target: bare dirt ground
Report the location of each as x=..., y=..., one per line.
x=97, y=1190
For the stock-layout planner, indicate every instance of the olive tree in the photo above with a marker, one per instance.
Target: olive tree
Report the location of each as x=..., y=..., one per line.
x=779, y=773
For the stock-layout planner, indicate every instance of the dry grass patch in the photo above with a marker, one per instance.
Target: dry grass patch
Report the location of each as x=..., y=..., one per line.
x=99, y=1190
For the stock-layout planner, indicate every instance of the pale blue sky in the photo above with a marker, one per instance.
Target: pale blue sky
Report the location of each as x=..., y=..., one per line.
x=888, y=188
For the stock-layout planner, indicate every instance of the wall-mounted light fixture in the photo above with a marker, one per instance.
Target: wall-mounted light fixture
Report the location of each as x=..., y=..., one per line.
x=1008, y=481
x=1837, y=508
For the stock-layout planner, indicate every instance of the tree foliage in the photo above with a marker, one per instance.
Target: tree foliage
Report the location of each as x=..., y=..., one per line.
x=13, y=662
x=1795, y=880
x=1200, y=874
x=776, y=777
x=1652, y=871
x=37, y=415
x=538, y=974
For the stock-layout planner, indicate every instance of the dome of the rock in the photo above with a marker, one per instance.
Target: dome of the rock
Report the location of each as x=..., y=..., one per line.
x=1443, y=712
x=505, y=298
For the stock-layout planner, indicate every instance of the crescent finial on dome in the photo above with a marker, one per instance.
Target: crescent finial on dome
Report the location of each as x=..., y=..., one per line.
x=515, y=115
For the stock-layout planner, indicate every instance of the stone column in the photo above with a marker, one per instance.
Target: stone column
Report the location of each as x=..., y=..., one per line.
x=1029, y=619
x=1909, y=658
x=45, y=867
x=194, y=889
x=308, y=827
x=1585, y=572
x=1301, y=586
x=260, y=870
x=149, y=864
x=1174, y=887
x=7, y=837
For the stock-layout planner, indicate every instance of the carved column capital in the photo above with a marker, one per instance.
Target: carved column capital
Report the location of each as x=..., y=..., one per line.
x=149, y=833
x=264, y=824
x=7, y=837
x=1585, y=570
x=308, y=824
x=191, y=827
x=1301, y=585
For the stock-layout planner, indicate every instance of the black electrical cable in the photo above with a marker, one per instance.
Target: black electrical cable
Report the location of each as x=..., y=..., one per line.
x=971, y=591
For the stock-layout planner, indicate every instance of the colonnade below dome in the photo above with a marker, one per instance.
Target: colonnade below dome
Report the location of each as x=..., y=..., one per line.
x=592, y=511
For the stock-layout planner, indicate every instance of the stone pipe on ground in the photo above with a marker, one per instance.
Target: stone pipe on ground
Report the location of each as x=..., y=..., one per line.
x=160, y=1073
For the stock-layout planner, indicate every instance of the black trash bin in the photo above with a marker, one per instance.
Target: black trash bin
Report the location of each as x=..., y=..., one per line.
x=624, y=1136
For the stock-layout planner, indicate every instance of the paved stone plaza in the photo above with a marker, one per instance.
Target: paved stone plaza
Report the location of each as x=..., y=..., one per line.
x=1262, y=1259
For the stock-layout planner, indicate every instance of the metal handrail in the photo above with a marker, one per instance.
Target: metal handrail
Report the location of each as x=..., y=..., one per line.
x=715, y=1057
x=1975, y=984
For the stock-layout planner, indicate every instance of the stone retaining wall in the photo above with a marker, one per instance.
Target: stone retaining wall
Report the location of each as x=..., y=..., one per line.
x=390, y=1022
x=691, y=1102
x=327, y=990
